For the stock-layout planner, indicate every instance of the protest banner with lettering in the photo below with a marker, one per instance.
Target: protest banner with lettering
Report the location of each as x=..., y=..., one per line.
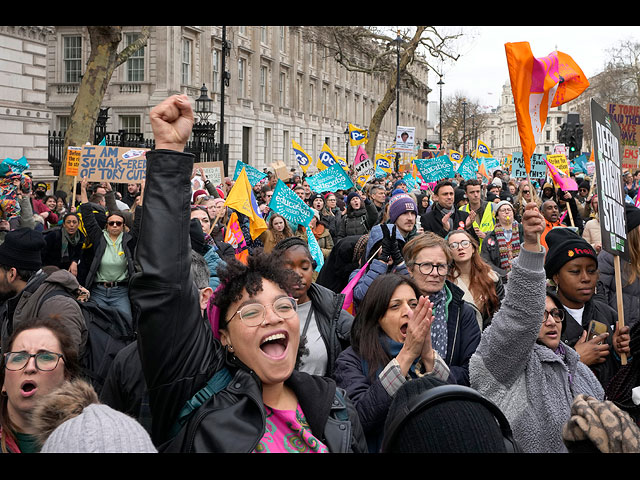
x=329, y=180
x=285, y=202
x=630, y=158
x=405, y=139
x=468, y=168
x=253, y=174
x=434, y=169
x=611, y=203
x=214, y=171
x=411, y=182
x=73, y=161
x=628, y=119
x=538, y=167
x=101, y=163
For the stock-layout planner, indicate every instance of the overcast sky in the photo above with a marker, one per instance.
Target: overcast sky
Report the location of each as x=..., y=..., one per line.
x=481, y=69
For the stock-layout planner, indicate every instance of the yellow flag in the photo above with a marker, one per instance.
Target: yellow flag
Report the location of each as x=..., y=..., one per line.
x=242, y=200
x=357, y=136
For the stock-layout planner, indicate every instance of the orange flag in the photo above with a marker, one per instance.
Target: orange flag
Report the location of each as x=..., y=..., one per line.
x=538, y=84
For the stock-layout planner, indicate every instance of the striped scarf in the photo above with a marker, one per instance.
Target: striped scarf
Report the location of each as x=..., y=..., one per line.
x=508, y=249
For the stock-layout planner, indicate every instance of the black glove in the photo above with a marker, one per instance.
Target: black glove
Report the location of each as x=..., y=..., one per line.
x=396, y=254
x=387, y=244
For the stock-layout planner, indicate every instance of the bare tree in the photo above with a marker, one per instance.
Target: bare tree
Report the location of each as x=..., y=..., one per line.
x=372, y=50
x=462, y=121
x=103, y=60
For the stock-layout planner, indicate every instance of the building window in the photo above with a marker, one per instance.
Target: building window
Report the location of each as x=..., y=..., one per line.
x=263, y=35
x=215, y=64
x=63, y=123
x=283, y=45
x=241, y=77
x=263, y=84
x=312, y=94
x=72, y=58
x=186, y=61
x=135, y=63
x=130, y=123
x=282, y=89
x=267, y=146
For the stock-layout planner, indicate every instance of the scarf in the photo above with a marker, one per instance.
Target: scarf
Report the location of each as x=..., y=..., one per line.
x=439, y=334
x=66, y=241
x=392, y=348
x=508, y=249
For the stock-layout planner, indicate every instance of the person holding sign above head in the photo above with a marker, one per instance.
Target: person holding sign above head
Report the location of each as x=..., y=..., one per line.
x=630, y=271
x=112, y=263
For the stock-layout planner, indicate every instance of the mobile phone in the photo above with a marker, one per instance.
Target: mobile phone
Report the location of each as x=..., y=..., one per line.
x=595, y=328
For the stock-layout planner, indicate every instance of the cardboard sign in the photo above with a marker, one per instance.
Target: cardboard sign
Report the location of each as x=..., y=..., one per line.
x=611, y=203
x=538, y=167
x=100, y=163
x=405, y=139
x=73, y=161
x=628, y=119
x=281, y=170
x=214, y=171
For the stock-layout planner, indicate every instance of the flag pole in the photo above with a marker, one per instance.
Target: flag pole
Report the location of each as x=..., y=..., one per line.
x=618, y=275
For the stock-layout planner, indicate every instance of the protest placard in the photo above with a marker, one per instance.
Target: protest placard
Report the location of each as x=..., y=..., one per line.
x=434, y=169
x=329, y=180
x=285, y=202
x=628, y=119
x=405, y=139
x=214, y=171
x=468, y=168
x=538, y=167
x=611, y=203
x=253, y=174
x=102, y=163
x=73, y=161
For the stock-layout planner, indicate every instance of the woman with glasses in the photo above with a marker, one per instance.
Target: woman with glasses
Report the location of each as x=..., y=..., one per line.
x=455, y=333
x=390, y=345
x=330, y=214
x=526, y=194
x=521, y=364
x=112, y=263
x=40, y=357
x=482, y=286
x=247, y=348
x=571, y=266
x=502, y=245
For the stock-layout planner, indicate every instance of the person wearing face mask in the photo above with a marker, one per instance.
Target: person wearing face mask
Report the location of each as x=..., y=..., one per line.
x=249, y=342
x=572, y=265
x=535, y=377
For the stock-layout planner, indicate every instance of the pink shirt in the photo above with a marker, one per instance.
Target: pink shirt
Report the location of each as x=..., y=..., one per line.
x=287, y=431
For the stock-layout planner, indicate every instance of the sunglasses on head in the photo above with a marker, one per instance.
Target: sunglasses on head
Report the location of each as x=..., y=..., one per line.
x=114, y=223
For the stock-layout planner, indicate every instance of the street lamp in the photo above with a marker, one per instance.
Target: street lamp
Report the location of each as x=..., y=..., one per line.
x=204, y=105
x=346, y=133
x=464, y=128
x=441, y=83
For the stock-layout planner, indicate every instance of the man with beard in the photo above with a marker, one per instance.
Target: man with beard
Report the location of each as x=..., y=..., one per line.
x=443, y=216
x=551, y=214
x=23, y=286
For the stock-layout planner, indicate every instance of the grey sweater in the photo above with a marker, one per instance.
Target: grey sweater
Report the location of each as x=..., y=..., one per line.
x=530, y=383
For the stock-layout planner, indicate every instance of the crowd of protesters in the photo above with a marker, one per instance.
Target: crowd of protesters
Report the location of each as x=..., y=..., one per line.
x=457, y=318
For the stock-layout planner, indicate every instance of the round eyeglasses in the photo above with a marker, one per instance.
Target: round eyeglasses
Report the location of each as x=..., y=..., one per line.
x=427, y=267
x=45, y=361
x=253, y=314
x=557, y=315
x=463, y=244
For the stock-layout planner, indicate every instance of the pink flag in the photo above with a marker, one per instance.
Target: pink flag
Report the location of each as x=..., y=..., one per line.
x=565, y=183
x=348, y=290
x=361, y=155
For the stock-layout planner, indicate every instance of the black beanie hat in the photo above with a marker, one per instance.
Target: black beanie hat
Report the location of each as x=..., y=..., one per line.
x=633, y=216
x=22, y=249
x=451, y=426
x=565, y=245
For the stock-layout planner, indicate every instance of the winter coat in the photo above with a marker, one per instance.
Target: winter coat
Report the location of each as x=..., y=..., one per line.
x=606, y=289
x=358, y=222
x=490, y=252
x=28, y=304
x=592, y=232
x=431, y=221
x=179, y=352
x=529, y=382
x=325, y=242
x=96, y=236
x=572, y=331
x=52, y=254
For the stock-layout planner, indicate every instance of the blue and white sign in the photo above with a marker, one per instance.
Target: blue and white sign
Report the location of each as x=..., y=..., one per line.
x=468, y=168
x=435, y=169
x=253, y=174
x=285, y=202
x=316, y=252
x=329, y=180
x=538, y=167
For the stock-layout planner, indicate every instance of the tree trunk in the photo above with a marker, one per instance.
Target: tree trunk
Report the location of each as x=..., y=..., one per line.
x=390, y=95
x=103, y=60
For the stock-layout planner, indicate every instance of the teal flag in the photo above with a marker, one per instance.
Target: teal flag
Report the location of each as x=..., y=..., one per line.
x=468, y=168
x=329, y=180
x=435, y=169
x=253, y=174
x=285, y=202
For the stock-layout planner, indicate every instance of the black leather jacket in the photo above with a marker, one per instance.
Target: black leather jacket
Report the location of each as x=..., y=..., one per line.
x=178, y=350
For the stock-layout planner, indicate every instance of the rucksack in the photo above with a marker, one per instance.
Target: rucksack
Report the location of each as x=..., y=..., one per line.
x=108, y=332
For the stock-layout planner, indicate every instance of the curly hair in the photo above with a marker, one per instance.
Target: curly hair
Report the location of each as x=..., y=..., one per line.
x=236, y=278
